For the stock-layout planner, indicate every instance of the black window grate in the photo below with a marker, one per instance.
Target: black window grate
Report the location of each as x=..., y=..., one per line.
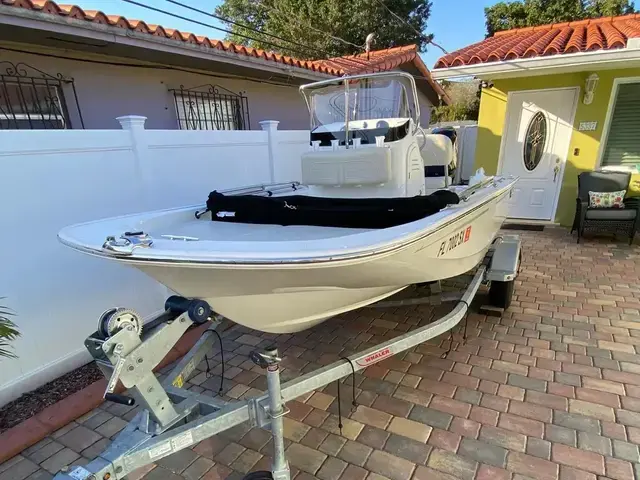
x=31, y=99
x=211, y=107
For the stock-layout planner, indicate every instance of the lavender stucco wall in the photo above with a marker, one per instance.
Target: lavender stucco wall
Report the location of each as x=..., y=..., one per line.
x=106, y=92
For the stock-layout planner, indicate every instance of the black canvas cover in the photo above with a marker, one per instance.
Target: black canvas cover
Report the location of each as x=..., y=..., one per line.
x=326, y=211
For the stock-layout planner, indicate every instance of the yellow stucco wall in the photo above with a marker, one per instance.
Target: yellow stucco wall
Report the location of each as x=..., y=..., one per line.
x=491, y=121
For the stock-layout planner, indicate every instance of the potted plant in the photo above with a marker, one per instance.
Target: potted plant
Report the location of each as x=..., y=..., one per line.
x=8, y=332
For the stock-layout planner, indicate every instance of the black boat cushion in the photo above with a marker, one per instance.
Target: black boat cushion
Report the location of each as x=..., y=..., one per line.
x=327, y=211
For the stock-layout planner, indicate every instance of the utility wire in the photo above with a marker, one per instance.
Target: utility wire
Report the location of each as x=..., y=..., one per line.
x=208, y=25
x=427, y=38
x=337, y=60
x=308, y=25
x=247, y=27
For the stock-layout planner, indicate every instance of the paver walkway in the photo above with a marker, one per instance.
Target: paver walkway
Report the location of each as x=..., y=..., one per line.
x=549, y=390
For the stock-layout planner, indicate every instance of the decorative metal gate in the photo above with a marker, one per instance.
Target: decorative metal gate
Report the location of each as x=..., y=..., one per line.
x=32, y=99
x=211, y=107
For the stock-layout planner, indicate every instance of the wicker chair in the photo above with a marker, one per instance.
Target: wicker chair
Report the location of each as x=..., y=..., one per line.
x=611, y=220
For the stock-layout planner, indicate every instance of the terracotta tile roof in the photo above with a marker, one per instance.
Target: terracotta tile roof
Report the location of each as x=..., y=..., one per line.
x=375, y=61
x=381, y=60
x=605, y=33
x=98, y=17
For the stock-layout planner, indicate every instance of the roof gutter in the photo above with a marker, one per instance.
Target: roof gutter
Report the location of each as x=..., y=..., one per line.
x=34, y=20
x=573, y=62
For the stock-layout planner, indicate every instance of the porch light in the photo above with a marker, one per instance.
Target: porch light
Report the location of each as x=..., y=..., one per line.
x=590, y=88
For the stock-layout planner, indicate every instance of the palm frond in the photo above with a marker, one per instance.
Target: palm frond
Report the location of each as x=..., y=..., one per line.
x=8, y=331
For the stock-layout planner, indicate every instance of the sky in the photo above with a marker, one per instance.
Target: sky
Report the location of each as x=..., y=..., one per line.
x=454, y=24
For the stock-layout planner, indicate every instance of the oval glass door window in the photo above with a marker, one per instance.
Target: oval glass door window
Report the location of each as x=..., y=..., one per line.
x=534, y=141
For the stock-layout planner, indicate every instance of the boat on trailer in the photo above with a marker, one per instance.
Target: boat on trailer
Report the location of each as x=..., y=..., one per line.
x=363, y=222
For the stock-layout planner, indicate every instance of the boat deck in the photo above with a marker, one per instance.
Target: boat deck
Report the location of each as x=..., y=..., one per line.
x=205, y=229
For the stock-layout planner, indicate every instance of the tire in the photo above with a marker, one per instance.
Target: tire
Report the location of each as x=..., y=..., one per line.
x=501, y=294
x=260, y=475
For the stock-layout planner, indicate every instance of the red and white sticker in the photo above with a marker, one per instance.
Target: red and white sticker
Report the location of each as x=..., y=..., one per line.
x=375, y=357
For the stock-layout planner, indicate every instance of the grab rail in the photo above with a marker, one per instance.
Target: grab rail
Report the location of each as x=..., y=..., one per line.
x=264, y=190
x=467, y=192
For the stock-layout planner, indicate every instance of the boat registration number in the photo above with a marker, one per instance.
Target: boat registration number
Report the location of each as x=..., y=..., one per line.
x=455, y=241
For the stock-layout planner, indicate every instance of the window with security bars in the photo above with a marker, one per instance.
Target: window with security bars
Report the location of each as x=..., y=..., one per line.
x=32, y=100
x=623, y=140
x=208, y=108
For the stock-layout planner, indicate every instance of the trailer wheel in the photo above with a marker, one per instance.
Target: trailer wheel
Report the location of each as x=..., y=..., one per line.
x=501, y=294
x=260, y=475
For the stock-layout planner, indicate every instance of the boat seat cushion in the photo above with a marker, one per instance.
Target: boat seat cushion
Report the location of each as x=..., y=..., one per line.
x=327, y=211
x=611, y=214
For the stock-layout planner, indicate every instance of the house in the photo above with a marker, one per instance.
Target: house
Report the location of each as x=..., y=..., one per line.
x=556, y=100
x=64, y=67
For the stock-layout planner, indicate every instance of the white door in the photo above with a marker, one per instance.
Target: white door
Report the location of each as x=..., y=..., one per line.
x=535, y=145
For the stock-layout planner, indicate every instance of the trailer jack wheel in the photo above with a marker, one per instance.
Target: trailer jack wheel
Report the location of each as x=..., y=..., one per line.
x=501, y=293
x=260, y=475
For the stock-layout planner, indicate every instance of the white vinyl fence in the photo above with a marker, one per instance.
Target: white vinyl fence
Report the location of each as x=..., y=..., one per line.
x=51, y=179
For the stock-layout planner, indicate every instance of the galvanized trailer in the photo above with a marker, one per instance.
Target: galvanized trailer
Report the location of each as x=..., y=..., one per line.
x=174, y=418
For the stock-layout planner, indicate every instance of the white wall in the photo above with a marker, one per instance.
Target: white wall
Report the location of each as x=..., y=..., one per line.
x=51, y=179
x=425, y=109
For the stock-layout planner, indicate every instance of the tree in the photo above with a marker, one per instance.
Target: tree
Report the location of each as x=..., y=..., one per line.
x=529, y=13
x=325, y=28
x=465, y=102
x=608, y=8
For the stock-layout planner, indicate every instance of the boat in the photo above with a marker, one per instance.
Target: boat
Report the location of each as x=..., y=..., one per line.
x=361, y=224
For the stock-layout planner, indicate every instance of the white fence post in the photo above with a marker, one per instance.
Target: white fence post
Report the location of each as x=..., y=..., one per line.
x=139, y=146
x=271, y=127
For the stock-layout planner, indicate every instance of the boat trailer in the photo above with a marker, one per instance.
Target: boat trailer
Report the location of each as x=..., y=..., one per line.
x=174, y=418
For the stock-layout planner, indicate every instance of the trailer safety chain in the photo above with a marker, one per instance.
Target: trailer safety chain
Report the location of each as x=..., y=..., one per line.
x=464, y=335
x=206, y=358
x=466, y=320
x=445, y=354
x=353, y=398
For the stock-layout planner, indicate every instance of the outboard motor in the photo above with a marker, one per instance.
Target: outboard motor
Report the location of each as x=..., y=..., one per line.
x=439, y=157
x=451, y=134
x=448, y=132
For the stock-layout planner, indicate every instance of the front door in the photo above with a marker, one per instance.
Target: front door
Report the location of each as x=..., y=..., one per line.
x=536, y=140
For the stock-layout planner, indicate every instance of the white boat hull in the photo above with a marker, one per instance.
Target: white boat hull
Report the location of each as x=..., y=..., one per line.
x=284, y=285
x=296, y=297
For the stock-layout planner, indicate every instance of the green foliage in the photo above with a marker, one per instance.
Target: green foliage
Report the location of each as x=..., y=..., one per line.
x=313, y=23
x=465, y=102
x=608, y=8
x=8, y=332
x=528, y=13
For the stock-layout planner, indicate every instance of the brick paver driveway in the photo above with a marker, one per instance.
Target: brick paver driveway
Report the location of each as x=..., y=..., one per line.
x=549, y=390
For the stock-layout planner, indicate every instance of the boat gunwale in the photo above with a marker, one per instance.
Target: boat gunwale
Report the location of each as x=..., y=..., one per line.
x=335, y=259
